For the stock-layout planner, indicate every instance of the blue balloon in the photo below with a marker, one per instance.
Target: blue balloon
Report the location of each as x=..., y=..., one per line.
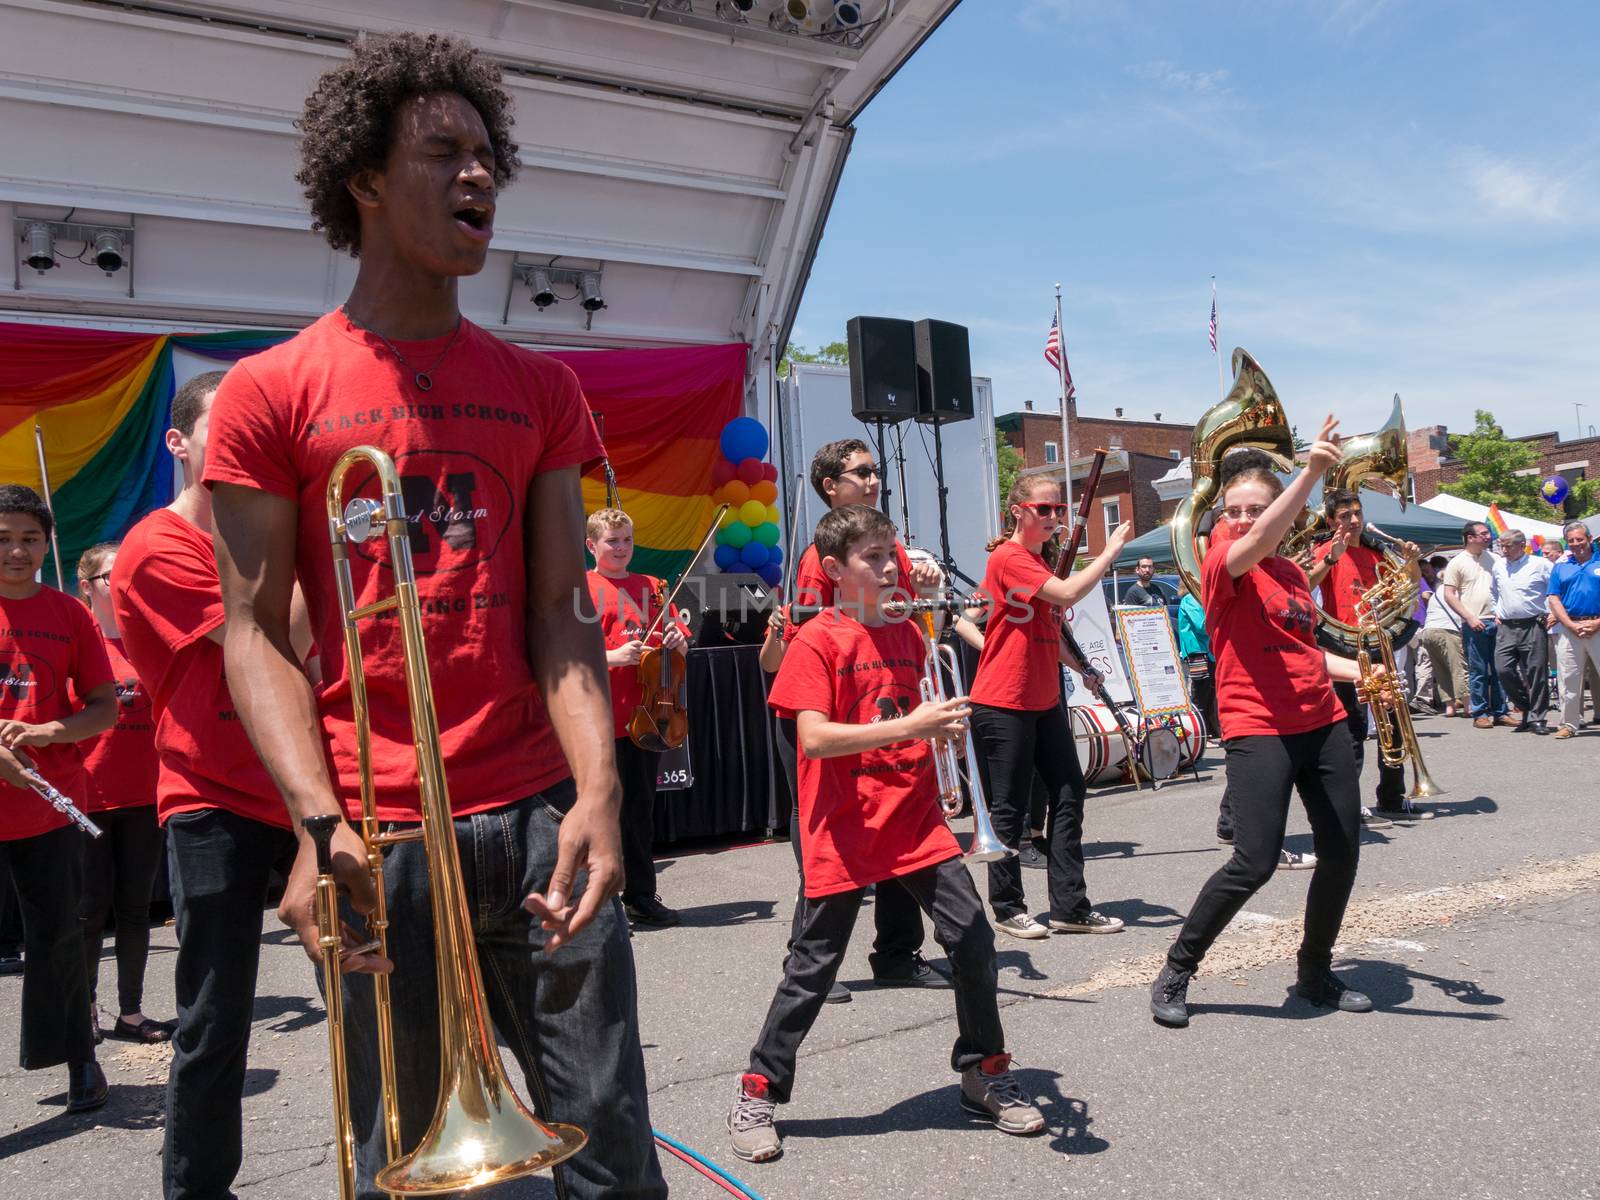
x=771, y=574
x=754, y=555
x=1554, y=490
x=726, y=557
x=742, y=438
x=775, y=555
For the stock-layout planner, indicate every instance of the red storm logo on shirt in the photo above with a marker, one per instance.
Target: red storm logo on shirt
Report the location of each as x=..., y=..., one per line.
x=22, y=678
x=459, y=507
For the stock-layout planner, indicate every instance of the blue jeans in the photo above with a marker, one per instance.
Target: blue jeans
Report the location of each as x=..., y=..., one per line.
x=1486, y=697
x=571, y=1018
x=221, y=865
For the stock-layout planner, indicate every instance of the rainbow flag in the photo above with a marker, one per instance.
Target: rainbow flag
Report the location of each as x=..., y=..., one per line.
x=1497, y=524
x=104, y=402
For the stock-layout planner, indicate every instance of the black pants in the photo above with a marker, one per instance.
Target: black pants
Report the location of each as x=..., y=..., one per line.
x=1522, y=660
x=119, y=869
x=10, y=914
x=895, y=915
x=1262, y=774
x=636, y=769
x=1391, y=780
x=945, y=892
x=1011, y=745
x=48, y=873
x=220, y=865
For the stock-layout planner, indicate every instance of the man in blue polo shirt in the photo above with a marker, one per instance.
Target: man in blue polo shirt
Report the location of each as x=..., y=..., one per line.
x=1575, y=602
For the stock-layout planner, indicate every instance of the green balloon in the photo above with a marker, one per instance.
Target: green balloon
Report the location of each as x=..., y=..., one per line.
x=737, y=536
x=722, y=535
x=767, y=533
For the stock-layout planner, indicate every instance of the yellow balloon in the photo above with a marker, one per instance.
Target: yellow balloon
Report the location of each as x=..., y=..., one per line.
x=728, y=518
x=773, y=514
x=752, y=512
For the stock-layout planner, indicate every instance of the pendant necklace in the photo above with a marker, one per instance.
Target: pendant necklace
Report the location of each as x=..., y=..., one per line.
x=422, y=378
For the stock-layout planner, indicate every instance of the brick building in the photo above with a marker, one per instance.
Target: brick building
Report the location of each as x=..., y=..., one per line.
x=1140, y=452
x=1433, y=470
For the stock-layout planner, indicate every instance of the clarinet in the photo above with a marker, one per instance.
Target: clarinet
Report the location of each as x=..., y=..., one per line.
x=60, y=803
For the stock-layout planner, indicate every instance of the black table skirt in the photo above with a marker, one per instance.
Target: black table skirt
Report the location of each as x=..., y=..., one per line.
x=739, y=786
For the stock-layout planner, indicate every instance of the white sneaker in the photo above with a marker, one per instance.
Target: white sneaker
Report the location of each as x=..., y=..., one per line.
x=1022, y=926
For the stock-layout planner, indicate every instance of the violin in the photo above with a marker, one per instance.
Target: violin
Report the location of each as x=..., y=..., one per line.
x=660, y=722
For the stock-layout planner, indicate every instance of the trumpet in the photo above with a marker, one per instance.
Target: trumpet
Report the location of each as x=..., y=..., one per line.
x=481, y=1133
x=1397, y=741
x=952, y=767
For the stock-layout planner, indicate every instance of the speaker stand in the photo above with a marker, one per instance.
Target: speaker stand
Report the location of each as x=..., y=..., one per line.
x=900, y=473
x=883, y=473
x=946, y=560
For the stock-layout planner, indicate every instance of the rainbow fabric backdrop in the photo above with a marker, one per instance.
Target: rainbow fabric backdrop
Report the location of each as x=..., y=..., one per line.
x=104, y=401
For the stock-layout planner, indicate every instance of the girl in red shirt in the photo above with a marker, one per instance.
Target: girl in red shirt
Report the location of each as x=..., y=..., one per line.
x=1282, y=729
x=1018, y=723
x=119, y=868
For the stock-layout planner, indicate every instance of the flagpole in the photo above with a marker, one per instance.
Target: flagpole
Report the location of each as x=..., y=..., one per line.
x=1216, y=350
x=1066, y=426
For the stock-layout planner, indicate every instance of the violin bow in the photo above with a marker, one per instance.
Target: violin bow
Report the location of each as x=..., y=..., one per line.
x=666, y=607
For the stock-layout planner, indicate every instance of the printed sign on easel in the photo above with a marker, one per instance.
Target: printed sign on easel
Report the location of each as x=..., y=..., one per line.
x=1158, y=682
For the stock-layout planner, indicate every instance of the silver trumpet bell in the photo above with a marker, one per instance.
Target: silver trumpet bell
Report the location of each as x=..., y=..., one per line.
x=951, y=766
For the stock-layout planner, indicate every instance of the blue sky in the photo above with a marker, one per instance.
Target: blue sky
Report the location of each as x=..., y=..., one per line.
x=1394, y=195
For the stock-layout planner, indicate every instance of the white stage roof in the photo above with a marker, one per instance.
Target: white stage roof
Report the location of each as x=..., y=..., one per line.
x=1471, y=510
x=691, y=159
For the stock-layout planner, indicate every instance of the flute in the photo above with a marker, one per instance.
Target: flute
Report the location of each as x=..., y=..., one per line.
x=60, y=803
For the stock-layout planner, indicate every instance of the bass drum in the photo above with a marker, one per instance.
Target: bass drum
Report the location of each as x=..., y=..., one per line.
x=1101, y=752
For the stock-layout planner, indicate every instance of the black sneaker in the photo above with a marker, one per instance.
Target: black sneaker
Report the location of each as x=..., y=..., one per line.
x=1169, y=997
x=914, y=974
x=837, y=994
x=649, y=911
x=1324, y=990
x=1090, y=922
x=1225, y=836
x=1407, y=812
x=86, y=1087
x=1372, y=820
x=10, y=963
x=1031, y=856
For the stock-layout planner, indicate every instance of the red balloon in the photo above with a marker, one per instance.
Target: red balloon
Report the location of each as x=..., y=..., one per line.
x=769, y=471
x=722, y=472
x=750, y=470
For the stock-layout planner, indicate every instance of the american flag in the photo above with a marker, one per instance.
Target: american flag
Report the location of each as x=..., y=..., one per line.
x=1055, y=355
x=1213, y=322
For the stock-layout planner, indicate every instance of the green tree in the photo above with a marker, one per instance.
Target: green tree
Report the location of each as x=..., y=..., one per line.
x=1008, y=462
x=1492, y=461
x=833, y=352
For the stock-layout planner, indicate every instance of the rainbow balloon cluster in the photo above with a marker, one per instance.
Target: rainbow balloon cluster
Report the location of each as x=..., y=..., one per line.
x=748, y=537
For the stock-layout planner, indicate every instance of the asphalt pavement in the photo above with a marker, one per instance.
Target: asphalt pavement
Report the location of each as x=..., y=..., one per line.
x=1475, y=934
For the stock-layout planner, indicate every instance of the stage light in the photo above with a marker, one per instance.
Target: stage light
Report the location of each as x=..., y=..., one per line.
x=736, y=12
x=791, y=14
x=41, y=252
x=589, y=285
x=846, y=16
x=108, y=251
x=543, y=294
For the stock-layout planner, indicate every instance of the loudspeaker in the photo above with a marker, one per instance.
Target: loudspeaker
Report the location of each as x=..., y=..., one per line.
x=883, y=368
x=944, y=372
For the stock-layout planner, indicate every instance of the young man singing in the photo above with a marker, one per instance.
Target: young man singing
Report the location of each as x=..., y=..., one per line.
x=406, y=146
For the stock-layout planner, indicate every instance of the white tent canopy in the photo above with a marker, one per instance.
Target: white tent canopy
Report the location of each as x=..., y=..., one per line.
x=1471, y=510
x=690, y=158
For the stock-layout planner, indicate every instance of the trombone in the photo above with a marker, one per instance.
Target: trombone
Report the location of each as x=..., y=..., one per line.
x=481, y=1133
x=951, y=766
x=1384, y=692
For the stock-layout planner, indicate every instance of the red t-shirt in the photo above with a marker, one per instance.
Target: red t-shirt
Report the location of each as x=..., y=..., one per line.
x=1271, y=677
x=121, y=762
x=1347, y=579
x=1020, y=664
x=165, y=590
x=625, y=607
x=875, y=815
x=467, y=453
x=812, y=585
x=51, y=651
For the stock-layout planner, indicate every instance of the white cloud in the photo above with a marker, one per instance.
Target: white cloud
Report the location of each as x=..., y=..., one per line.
x=1515, y=191
x=1171, y=76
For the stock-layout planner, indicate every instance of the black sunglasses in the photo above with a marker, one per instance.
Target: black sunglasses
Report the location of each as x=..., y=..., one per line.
x=862, y=473
x=1048, y=510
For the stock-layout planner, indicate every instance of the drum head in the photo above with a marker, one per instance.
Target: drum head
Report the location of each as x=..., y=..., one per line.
x=1159, y=753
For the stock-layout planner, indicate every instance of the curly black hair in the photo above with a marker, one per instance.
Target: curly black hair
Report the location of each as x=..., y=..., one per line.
x=349, y=120
x=25, y=502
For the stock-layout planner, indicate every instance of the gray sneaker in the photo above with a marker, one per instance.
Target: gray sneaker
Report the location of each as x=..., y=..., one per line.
x=995, y=1095
x=1021, y=926
x=755, y=1136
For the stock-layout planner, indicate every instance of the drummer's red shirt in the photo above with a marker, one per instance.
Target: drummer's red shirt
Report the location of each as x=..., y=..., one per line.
x=1271, y=676
x=626, y=607
x=869, y=816
x=1348, y=578
x=467, y=452
x=813, y=587
x=1019, y=667
x=121, y=762
x=51, y=651
x=168, y=598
